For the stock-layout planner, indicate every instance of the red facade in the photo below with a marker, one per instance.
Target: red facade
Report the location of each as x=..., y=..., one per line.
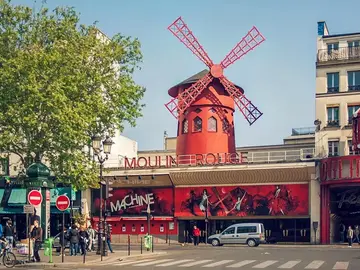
x=243, y=201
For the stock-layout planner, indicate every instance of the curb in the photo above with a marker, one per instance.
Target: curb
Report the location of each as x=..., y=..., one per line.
x=92, y=262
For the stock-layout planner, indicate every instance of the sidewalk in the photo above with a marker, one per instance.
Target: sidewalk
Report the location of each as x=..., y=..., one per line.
x=90, y=259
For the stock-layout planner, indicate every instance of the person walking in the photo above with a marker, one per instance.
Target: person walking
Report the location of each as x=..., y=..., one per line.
x=108, y=237
x=74, y=240
x=83, y=239
x=36, y=235
x=350, y=235
x=342, y=230
x=9, y=234
x=196, y=234
x=356, y=234
x=92, y=236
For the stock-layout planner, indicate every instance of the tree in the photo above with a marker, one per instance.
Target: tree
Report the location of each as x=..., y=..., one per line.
x=62, y=82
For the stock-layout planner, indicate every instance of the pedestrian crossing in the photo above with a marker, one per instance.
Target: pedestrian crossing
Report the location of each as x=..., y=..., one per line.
x=233, y=264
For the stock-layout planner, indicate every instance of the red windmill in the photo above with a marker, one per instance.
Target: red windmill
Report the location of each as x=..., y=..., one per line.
x=209, y=95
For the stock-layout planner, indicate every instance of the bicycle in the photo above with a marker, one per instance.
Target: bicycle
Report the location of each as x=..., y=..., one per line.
x=8, y=258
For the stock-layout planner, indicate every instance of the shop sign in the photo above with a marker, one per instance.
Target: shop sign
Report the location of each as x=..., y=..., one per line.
x=348, y=197
x=168, y=161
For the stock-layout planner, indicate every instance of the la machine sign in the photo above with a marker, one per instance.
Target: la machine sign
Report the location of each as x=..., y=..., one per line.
x=168, y=161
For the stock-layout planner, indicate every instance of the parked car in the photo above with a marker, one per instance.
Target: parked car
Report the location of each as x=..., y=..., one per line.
x=252, y=234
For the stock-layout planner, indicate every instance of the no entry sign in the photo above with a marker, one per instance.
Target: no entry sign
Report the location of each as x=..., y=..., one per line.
x=35, y=198
x=62, y=202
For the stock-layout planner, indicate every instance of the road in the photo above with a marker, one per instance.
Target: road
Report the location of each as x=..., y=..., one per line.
x=242, y=258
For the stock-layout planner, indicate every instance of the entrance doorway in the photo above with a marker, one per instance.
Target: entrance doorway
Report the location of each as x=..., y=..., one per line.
x=344, y=211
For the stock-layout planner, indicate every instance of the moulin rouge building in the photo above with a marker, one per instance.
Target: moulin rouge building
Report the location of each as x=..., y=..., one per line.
x=202, y=179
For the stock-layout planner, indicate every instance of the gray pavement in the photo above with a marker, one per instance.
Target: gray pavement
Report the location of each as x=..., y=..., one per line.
x=241, y=257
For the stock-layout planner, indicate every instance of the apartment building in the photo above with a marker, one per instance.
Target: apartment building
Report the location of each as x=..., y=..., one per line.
x=337, y=99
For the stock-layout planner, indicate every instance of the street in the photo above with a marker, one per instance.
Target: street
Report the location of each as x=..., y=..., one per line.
x=229, y=257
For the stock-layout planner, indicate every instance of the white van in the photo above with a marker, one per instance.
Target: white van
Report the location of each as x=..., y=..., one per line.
x=252, y=234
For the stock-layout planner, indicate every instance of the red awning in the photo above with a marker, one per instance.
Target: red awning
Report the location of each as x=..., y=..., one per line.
x=134, y=218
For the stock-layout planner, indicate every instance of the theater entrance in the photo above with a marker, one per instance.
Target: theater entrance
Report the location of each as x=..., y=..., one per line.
x=344, y=211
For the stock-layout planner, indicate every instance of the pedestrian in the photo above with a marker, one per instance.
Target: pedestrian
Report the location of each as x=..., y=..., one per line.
x=9, y=234
x=36, y=235
x=342, y=230
x=350, y=235
x=108, y=237
x=63, y=235
x=74, y=240
x=196, y=234
x=356, y=233
x=83, y=239
x=92, y=236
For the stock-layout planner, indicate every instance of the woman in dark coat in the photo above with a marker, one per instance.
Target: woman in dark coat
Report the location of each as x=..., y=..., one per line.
x=74, y=240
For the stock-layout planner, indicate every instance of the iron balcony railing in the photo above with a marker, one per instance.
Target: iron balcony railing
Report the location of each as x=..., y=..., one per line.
x=344, y=53
x=278, y=156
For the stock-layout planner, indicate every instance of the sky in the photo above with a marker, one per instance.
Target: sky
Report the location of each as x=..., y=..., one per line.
x=278, y=76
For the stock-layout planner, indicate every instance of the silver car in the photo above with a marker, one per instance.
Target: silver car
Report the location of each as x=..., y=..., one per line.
x=251, y=234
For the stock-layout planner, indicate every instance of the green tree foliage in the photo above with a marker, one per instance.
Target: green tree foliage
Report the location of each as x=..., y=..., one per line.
x=60, y=83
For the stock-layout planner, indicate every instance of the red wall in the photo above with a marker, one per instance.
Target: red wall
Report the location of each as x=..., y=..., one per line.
x=259, y=200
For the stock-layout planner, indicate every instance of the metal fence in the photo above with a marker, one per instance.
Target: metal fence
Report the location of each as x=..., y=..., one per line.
x=344, y=53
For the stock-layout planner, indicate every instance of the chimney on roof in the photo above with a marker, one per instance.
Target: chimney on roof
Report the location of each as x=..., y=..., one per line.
x=322, y=29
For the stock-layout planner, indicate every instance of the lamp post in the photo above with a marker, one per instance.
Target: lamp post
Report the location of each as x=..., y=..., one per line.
x=102, y=149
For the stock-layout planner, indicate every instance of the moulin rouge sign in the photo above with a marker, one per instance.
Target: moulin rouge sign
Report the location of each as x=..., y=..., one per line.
x=169, y=161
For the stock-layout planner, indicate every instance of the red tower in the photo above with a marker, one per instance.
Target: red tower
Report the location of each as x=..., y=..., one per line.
x=204, y=104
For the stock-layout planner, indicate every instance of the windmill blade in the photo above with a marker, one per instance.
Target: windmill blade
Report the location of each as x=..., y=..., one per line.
x=253, y=39
x=178, y=105
x=184, y=34
x=248, y=109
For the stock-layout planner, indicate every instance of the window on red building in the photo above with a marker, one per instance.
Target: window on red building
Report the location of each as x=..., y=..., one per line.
x=197, y=124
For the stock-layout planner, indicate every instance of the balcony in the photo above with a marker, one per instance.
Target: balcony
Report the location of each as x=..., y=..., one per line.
x=333, y=123
x=339, y=56
x=340, y=168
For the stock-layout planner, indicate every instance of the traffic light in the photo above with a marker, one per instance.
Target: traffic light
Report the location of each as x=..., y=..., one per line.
x=108, y=189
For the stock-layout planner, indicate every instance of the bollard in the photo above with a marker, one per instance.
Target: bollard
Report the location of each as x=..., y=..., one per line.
x=128, y=244
x=152, y=244
x=169, y=240
x=141, y=243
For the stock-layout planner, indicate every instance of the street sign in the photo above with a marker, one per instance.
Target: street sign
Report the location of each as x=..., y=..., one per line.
x=35, y=198
x=62, y=202
x=28, y=209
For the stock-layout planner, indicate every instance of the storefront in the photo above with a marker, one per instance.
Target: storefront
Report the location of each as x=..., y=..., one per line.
x=278, y=197
x=340, y=196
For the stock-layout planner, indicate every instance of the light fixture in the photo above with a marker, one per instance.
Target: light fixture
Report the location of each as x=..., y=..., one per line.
x=96, y=143
x=139, y=177
x=153, y=177
x=126, y=177
x=107, y=143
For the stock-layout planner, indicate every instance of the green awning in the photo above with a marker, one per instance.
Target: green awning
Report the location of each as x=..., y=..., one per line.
x=18, y=196
x=11, y=210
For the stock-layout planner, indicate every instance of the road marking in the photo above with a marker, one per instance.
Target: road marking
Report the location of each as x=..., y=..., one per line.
x=242, y=263
x=131, y=262
x=195, y=263
x=218, y=263
x=174, y=263
x=314, y=265
x=156, y=262
x=341, y=265
x=289, y=264
x=264, y=264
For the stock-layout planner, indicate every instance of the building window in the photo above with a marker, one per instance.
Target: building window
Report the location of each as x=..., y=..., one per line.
x=198, y=110
x=351, y=152
x=333, y=148
x=185, y=126
x=333, y=116
x=197, y=124
x=212, y=124
x=353, y=80
x=332, y=47
x=351, y=110
x=333, y=82
x=354, y=48
x=225, y=125
x=212, y=110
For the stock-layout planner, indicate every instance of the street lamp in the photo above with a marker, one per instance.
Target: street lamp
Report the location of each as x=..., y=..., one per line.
x=102, y=149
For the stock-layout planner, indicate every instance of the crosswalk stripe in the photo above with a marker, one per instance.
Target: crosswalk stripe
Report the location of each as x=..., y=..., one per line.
x=314, y=265
x=289, y=264
x=174, y=263
x=264, y=264
x=242, y=263
x=132, y=262
x=218, y=263
x=195, y=263
x=341, y=265
x=153, y=262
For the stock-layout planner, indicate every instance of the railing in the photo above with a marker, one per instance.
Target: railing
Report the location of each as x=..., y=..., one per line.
x=340, y=168
x=171, y=160
x=344, y=53
x=303, y=131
